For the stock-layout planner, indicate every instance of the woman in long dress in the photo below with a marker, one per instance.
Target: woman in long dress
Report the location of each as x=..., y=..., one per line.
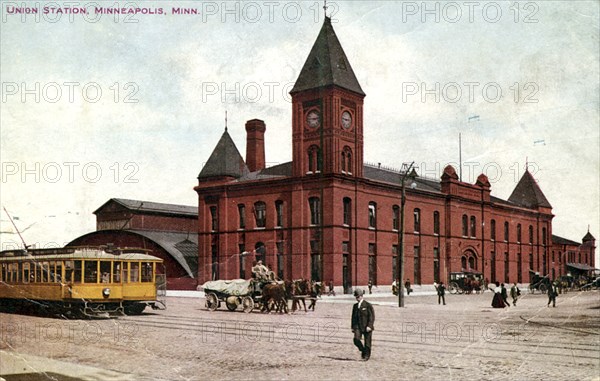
x=498, y=301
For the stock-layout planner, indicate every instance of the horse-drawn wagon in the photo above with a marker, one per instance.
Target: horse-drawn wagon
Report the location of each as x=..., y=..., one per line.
x=233, y=293
x=465, y=282
x=537, y=282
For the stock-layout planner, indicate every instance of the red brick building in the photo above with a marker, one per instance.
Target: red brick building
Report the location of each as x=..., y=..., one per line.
x=327, y=215
x=166, y=229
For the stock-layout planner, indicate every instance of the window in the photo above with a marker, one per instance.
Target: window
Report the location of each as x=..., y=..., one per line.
x=506, y=267
x=493, y=230
x=260, y=214
x=465, y=225
x=315, y=261
x=417, y=268
x=506, y=231
x=147, y=273
x=396, y=217
x=214, y=219
x=314, y=160
x=279, y=213
x=315, y=210
x=519, y=268
x=242, y=216
x=90, y=272
x=373, y=269
x=394, y=262
x=279, y=245
x=436, y=223
x=473, y=223
x=372, y=248
x=530, y=235
x=347, y=211
x=417, y=219
x=215, y=262
x=372, y=215
x=134, y=275
x=347, y=161
x=544, y=236
x=436, y=264
x=241, y=249
x=531, y=261
x=519, y=233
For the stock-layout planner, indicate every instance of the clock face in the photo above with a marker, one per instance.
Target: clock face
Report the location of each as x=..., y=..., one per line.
x=346, y=120
x=313, y=119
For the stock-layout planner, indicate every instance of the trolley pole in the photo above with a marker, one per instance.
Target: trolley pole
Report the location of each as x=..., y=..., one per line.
x=400, y=257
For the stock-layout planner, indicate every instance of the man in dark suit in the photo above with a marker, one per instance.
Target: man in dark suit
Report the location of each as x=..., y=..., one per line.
x=363, y=318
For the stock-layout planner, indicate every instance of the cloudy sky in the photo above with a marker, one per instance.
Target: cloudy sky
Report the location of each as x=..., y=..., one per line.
x=97, y=106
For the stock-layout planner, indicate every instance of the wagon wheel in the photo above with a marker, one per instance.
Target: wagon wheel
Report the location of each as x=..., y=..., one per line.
x=453, y=288
x=247, y=304
x=231, y=306
x=212, y=302
x=543, y=288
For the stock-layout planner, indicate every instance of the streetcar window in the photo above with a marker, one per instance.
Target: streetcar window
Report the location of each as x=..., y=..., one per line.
x=58, y=273
x=3, y=273
x=45, y=272
x=90, y=272
x=26, y=273
x=146, y=272
x=12, y=269
x=19, y=273
x=135, y=272
x=77, y=272
x=105, y=271
x=117, y=266
x=38, y=272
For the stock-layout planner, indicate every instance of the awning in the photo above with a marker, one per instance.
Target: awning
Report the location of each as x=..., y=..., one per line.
x=580, y=266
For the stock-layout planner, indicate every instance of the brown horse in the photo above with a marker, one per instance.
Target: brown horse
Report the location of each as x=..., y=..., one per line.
x=274, y=295
x=315, y=292
x=300, y=290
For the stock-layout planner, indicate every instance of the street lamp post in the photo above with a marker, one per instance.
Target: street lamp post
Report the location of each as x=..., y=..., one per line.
x=400, y=258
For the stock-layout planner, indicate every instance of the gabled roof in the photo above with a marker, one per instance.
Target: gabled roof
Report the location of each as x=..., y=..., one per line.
x=563, y=241
x=327, y=64
x=225, y=160
x=151, y=207
x=528, y=194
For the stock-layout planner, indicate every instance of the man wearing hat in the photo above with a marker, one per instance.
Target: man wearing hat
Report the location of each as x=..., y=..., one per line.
x=363, y=318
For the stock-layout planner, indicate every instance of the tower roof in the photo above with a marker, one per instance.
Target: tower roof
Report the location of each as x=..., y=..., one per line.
x=225, y=160
x=527, y=193
x=588, y=237
x=327, y=64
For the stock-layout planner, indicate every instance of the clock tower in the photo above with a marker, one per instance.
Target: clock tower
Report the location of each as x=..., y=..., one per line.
x=327, y=115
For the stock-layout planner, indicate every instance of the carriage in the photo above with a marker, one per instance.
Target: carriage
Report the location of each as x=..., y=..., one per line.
x=233, y=293
x=465, y=282
x=537, y=282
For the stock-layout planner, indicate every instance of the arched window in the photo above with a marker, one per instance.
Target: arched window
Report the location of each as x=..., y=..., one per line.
x=372, y=215
x=505, y=231
x=314, y=159
x=465, y=225
x=347, y=211
x=347, y=161
x=395, y=217
x=315, y=210
x=519, y=233
x=260, y=214
x=436, y=222
x=530, y=235
x=473, y=227
x=493, y=230
x=417, y=214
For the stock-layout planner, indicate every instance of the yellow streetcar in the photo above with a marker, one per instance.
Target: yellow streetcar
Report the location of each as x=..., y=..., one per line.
x=95, y=282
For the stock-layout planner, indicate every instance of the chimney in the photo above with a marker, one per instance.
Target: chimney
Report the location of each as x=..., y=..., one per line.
x=255, y=144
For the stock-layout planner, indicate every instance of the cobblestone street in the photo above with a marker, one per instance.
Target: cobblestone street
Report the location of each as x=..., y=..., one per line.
x=466, y=339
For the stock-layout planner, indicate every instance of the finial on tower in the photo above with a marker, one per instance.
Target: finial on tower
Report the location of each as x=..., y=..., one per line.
x=325, y=8
x=225, y=120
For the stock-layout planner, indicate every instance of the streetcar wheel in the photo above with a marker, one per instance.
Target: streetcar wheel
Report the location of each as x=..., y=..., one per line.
x=134, y=309
x=212, y=302
x=247, y=304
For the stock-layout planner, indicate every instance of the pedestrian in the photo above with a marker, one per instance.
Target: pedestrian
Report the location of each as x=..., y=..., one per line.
x=407, y=286
x=497, y=301
x=515, y=293
x=441, y=291
x=370, y=285
x=504, y=295
x=363, y=318
x=552, y=294
x=331, y=291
